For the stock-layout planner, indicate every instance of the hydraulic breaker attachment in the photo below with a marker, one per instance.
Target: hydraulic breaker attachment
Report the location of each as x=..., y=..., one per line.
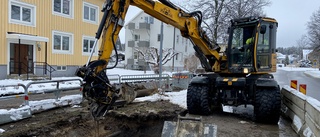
x=188, y=127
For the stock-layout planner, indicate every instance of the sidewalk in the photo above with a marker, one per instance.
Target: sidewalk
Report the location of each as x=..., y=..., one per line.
x=313, y=73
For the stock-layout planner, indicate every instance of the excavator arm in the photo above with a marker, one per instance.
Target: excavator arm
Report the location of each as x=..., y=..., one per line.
x=97, y=88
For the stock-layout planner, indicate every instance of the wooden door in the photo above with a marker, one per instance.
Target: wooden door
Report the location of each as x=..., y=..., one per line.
x=22, y=58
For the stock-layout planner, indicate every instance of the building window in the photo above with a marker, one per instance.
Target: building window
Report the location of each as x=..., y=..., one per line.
x=62, y=42
x=87, y=45
x=177, y=41
x=159, y=37
x=136, y=37
x=22, y=13
x=63, y=7
x=90, y=12
x=148, y=20
x=151, y=20
x=61, y=68
x=135, y=55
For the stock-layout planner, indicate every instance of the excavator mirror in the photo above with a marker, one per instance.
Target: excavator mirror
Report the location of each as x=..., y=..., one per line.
x=263, y=29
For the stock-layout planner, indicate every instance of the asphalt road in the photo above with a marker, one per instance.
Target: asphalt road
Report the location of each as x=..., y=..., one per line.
x=313, y=84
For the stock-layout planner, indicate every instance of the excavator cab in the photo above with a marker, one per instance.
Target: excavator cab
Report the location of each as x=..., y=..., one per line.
x=252, y=45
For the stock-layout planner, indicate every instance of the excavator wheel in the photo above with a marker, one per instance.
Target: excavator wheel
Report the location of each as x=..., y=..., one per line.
x=198, y=99
x=267, y=105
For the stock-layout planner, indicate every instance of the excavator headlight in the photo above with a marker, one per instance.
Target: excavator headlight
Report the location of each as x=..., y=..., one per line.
x=245, y=70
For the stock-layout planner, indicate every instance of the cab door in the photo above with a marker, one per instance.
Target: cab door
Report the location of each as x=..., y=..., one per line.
x=266, y=48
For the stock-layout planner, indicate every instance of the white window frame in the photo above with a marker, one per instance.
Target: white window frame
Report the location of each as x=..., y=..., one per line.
x=90, y=39
x=71, y=12
x=23, y=5
x=89, y=5
x=61, y=68
x=71, y=41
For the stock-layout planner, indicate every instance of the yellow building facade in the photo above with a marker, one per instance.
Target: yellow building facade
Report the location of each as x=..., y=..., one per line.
x=38, y=35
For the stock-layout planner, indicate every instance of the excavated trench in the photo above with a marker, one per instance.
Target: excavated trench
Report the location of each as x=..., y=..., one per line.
x=133, y=120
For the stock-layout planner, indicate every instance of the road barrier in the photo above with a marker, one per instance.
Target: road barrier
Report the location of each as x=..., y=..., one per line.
x=25, y=94
x=56, y=90
x=26, y=110
x=304, y=112
x=142, y=78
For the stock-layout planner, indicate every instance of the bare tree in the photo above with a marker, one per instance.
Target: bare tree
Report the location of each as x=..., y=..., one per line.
x=302, y=43
x=218, y=13
x=314, y=35
x=246, y=8
x=314, y=30
x=152, y=56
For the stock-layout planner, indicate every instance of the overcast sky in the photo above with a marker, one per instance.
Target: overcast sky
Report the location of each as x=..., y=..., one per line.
x=292, y=16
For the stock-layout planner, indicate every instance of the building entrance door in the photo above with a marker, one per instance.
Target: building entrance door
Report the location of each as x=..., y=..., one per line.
x=21, y=58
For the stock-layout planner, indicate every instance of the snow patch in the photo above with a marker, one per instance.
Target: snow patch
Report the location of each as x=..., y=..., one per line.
x=2, y=130
x=307, y=132
x=297, y=122
x=178, y=98
x=243, y=122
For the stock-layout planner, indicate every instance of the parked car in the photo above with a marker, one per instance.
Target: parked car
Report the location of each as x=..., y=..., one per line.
x=305, y=63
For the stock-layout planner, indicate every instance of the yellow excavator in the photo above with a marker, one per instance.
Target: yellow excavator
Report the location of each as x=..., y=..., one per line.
x=240, y=75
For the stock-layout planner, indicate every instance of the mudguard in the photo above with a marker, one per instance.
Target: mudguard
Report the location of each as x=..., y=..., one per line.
x=200, y=80
x=266, y=82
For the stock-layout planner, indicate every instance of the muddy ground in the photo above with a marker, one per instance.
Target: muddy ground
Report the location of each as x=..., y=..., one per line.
x=137, y=119
x=144, y=119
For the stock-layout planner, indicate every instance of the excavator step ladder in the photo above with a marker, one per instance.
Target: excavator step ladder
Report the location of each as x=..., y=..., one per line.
x=188, y=127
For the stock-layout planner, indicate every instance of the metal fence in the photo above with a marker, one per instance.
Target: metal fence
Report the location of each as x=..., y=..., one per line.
x=56, y=90
x=25, y=94
x=165, y=79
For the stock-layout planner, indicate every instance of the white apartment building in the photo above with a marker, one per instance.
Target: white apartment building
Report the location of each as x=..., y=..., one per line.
x=143, y=31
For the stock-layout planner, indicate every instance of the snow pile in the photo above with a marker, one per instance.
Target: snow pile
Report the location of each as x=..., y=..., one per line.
x=38, y=106
x=298, y=69
x=1, y=130
x=178, y=98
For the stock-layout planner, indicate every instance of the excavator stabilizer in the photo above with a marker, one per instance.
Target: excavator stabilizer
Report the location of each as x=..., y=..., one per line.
x=188, y=127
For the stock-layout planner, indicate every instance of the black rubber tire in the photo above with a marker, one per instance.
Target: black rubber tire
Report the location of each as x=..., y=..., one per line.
x=198, y=99
x=267, y=105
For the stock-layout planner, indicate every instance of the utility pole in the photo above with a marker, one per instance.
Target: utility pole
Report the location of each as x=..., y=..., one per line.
x=160, y=62
x=174, y=46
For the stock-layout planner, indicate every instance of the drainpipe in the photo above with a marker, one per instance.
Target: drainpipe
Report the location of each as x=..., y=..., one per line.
x=19, y=72
x=45, y=59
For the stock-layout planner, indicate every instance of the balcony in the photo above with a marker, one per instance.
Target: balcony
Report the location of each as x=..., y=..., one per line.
x=143, y=43
x=132, y=26
x=140, y=43
x=144, y=26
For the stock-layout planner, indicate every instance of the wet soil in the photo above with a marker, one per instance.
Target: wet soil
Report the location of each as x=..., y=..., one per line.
x=136, y=119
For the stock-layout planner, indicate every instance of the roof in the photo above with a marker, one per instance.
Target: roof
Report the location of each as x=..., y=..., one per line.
x=27, y=37
x=135, y=16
